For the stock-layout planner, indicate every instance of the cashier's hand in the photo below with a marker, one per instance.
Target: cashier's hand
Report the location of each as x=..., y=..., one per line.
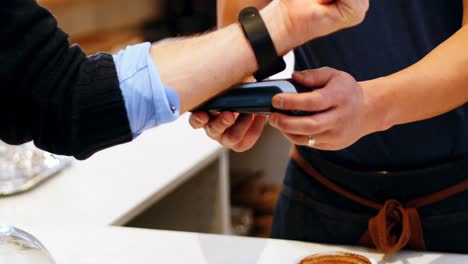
x=238, y=132
x=339, y=101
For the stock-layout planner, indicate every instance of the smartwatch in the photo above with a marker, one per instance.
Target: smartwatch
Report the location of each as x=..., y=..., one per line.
x=269, y=63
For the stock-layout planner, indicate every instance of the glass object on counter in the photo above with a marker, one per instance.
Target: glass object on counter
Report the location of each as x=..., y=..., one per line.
x=20, y=247
x=23, y=167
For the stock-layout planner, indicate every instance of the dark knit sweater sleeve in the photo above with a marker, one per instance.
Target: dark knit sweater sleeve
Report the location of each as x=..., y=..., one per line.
x=52, y=93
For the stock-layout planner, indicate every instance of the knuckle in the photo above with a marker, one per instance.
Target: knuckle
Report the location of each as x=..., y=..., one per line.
x=348, y=77
x=342, y=75
x=212, y=128
x=320, y=100
x=194, y=122
x=225, y=122
x=285, y=102
x=326, y=69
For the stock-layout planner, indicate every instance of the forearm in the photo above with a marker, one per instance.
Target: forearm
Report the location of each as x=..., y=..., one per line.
x=201, y=67
x=227, y=9
x=433, y=86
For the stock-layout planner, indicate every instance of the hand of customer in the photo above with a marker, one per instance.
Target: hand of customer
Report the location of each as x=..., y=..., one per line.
x=238, y=132
x=308, y=19
x=341, y=116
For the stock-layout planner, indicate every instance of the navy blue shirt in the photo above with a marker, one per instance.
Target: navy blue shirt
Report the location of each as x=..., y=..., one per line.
x=394, y=35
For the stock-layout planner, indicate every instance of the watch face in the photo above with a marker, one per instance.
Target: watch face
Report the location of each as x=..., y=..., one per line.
x=247, y=12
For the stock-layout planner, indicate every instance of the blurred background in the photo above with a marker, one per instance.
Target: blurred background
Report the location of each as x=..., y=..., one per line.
x=109, y=25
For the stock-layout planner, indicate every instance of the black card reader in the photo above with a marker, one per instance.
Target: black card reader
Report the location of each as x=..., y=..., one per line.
x=254, y=98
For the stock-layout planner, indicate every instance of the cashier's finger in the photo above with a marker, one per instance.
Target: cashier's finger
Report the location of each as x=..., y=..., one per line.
x=314, y=101
x=219, y=124
x=199, y=119
x=302, y=140
x=322, y=141
x=319, y=99
x=302, y=125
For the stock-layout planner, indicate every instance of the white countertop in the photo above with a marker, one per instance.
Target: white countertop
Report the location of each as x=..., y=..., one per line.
x=116, y=184
x=117, y=245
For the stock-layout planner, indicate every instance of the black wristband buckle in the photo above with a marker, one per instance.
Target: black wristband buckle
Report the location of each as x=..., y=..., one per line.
x=269, y=63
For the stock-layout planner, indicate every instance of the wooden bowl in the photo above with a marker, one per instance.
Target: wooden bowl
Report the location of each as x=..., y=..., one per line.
x=337, y=258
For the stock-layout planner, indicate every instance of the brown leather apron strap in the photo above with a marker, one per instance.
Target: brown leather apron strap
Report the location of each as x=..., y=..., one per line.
x=296, y=156
x=439, y=196
x=393, y=228
x=417, y=234
x=395, y=225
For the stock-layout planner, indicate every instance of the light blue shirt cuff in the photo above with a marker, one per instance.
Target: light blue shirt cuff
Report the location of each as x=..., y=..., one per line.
x=148, y=101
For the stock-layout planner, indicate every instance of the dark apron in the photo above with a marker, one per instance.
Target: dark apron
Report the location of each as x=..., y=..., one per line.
x=423, y=209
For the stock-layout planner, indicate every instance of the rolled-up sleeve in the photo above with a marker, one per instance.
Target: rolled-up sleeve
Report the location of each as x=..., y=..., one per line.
x=148, y=101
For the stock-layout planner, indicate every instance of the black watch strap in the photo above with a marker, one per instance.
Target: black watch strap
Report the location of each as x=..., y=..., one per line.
x=269, y=63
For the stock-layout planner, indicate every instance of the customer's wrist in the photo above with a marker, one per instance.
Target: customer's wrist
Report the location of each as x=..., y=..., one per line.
x=277, y=24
